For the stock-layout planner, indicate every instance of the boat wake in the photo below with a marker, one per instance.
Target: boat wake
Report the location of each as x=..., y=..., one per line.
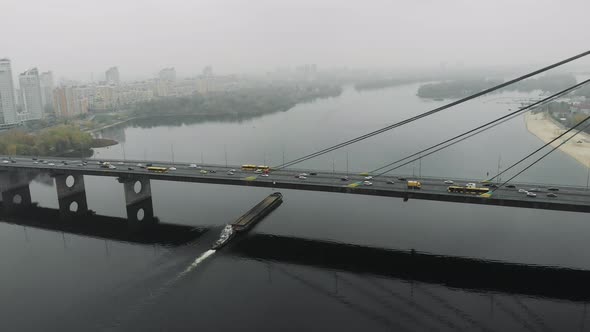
x=194, y=265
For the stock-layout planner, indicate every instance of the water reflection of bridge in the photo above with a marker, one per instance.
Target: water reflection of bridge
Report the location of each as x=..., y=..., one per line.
x=487, y=277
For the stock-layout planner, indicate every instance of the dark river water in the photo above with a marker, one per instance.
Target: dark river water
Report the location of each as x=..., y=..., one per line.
x=321, y=261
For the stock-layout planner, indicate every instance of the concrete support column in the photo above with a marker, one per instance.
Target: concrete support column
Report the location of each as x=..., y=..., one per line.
x=138, y=198
x=71, y=195
x=15, y=191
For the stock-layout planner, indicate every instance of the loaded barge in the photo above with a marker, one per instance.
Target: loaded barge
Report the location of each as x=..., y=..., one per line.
x=249, y=219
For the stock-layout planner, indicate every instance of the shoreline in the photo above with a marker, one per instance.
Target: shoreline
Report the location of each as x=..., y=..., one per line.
x=546, y=129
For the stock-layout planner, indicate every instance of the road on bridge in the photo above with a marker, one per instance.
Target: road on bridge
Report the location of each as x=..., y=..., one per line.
x=568, y=197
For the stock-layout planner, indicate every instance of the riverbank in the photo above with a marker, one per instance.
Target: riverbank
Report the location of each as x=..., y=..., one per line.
x=545, y=129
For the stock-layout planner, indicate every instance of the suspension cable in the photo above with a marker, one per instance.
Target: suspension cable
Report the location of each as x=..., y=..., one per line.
x=480, y=129
x=546, y=154
x=428, y=113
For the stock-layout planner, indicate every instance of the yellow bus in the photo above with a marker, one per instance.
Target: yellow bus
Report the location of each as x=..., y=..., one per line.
x=414, y=184
x=249, y=167
x=467, y=190
x=157, y=169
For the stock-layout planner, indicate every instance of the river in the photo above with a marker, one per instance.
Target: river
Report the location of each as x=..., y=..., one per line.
x=59, y=281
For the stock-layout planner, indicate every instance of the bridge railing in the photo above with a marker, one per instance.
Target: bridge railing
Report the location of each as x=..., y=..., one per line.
x=296, y=170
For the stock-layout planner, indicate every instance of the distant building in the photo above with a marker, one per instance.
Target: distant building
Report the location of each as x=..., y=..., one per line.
x=307, y=72
x=112, y=76
x=31, y=91
x=71, y=101
x=208, y=71
x=47, y=86
x=7, y=102
x=60, y=101
x=167, y=74
x=105, y=98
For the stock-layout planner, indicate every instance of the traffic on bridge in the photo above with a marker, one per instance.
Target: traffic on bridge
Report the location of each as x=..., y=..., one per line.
x=475, y=191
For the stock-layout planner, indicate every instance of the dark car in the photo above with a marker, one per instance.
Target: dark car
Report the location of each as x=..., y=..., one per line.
x=344, y=178
x=551, y=195
x=402, y=179
x=390, y=182
x=130, y=168
x=510, y=186
x=212, y=171
x=553, y=189
x=12, y=161
x=313, y=173
x=149, y=165
x=487, y=184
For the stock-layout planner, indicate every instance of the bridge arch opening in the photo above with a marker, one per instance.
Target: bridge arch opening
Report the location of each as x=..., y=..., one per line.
x=17, y=199
x=70, y=181
x=140, y=214
x=137, y=187
x=73, y=206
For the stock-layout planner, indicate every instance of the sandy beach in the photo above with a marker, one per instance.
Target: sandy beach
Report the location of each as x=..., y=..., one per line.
x=546, y=129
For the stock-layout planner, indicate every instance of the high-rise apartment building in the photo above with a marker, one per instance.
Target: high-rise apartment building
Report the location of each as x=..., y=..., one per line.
x=112, y=76
x=7, y=102
x=167, y=74
x=31, y=91
x=47, y=87
x=70, y=101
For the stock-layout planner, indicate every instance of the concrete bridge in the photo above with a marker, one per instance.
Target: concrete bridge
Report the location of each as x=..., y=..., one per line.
x=16, y=174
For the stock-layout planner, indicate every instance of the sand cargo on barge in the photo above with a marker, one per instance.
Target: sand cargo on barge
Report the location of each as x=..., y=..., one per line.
x=249, y=219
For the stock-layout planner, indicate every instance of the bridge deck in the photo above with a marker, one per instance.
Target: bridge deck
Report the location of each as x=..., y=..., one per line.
x=569, y=198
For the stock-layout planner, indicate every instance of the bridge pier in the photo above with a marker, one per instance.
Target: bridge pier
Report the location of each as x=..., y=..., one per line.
x=71, y=195
x=15, y=191
x=138, y=198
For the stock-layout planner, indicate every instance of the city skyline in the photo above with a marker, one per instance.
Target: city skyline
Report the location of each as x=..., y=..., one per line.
x=239, y=37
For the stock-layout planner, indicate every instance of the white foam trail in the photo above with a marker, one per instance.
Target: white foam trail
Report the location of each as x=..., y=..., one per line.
x=197, y=261
x=155, y=294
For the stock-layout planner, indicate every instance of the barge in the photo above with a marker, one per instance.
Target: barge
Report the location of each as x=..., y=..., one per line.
x=249, y=219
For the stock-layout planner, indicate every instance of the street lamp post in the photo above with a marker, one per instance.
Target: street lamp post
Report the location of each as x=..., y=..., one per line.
x=346, y=163
x=225, y=153
x=172, y=152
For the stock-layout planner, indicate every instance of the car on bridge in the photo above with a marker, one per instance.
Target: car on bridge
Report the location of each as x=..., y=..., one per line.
x=449, y=181
x=551, y=195
x=367, y=183
x=531, y=194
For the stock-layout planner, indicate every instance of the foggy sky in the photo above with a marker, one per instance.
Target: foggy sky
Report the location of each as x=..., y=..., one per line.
x=75, y=38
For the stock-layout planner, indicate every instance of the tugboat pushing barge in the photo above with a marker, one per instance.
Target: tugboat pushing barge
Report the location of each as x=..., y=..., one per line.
x=249, y=219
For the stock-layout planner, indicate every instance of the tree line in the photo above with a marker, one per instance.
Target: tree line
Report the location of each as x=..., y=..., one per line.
x=462, y=88
x=245, y=101
x=51, y=141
